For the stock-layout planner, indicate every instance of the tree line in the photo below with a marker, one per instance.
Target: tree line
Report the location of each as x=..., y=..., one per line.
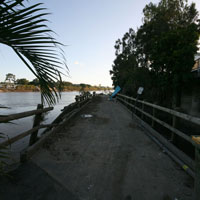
x=24, y=84
x=159, y=56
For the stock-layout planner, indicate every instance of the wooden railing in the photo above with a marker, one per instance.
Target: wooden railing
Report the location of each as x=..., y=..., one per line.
x=36, y=125
x=80, y=100
x=23, y=114
x=137, y=106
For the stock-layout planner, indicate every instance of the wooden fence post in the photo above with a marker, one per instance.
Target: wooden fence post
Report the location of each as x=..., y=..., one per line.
x=37, y=120
x=153, y=122
x=142, y=115
x=197, y=174
x=135, y=105
x=174, y=125
x=132, y=108
x=196, y=139
x=76, y=98
x=128, y=101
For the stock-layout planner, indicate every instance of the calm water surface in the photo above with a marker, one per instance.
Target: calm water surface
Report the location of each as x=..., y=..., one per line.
x=25, y=101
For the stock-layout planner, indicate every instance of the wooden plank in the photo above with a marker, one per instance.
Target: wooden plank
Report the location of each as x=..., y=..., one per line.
x=176, y=131
x=142, y=111
x=26, y=154
x=24, y=134
x=184, y=116
x=65, y=110
x=154, y=114
x=23, y=114
x=174, y=122
x=37, y=121
x=182, y=156
x=197, y=174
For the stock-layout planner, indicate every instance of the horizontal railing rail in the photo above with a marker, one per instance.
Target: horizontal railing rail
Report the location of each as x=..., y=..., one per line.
x=21, y=115
x=133, y=103
x=10, y=141
x=80, y=100
x=184, y=116
x=176, y=131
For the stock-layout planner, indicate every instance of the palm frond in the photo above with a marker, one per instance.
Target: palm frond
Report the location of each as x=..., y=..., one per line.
x=24, y=30
x=4, y=107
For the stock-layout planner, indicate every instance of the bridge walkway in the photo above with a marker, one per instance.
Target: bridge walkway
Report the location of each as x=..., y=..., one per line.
x=105, y=156
x=109, y=157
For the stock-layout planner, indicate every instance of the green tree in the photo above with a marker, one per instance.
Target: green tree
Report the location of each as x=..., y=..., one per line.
x=22, y=81
x=167, y=42
x=125, y=64
x=66, y=83
x=35, y=82
x=10, y=78
x=23, y=29
x=160, y=55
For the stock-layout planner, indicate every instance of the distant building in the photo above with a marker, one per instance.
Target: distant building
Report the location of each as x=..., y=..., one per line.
x=10, y=81
x=196, y=67
x=191, y=94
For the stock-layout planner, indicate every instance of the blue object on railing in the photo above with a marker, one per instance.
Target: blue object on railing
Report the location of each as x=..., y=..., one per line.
x=117, y=89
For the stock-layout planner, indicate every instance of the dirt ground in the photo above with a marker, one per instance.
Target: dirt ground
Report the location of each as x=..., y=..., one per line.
x=108, y=157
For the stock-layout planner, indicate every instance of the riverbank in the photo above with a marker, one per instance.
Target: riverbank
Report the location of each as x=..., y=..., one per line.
x=28, y=90
x=67, y=87
x=9, y=90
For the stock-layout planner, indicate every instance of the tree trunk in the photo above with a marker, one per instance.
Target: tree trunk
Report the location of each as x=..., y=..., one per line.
x=178, y=96
x=179, y=88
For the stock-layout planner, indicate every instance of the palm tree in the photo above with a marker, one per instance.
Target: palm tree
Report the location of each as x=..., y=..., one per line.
x=23, y=29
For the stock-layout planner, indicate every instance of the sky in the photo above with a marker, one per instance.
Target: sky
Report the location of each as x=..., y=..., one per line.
x=89, y=29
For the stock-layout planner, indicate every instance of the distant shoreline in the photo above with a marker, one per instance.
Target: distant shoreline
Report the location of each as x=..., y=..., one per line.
x=7, y=90
x=10, y=90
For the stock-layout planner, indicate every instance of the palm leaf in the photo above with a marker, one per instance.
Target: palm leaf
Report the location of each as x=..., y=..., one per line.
x=24, y=30
x=4, y=107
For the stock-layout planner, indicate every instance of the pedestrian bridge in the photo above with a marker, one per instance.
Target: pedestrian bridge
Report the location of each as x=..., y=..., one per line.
x=103, y=154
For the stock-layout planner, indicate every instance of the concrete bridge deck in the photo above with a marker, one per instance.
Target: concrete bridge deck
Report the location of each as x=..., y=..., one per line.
x=105, y=157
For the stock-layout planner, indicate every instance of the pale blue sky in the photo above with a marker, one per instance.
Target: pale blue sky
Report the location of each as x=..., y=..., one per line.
x=90, y=29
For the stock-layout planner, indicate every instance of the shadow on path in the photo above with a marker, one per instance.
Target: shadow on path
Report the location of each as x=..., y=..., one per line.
x=29, y=182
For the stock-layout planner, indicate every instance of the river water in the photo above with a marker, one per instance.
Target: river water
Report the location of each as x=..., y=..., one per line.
x=26, y=101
